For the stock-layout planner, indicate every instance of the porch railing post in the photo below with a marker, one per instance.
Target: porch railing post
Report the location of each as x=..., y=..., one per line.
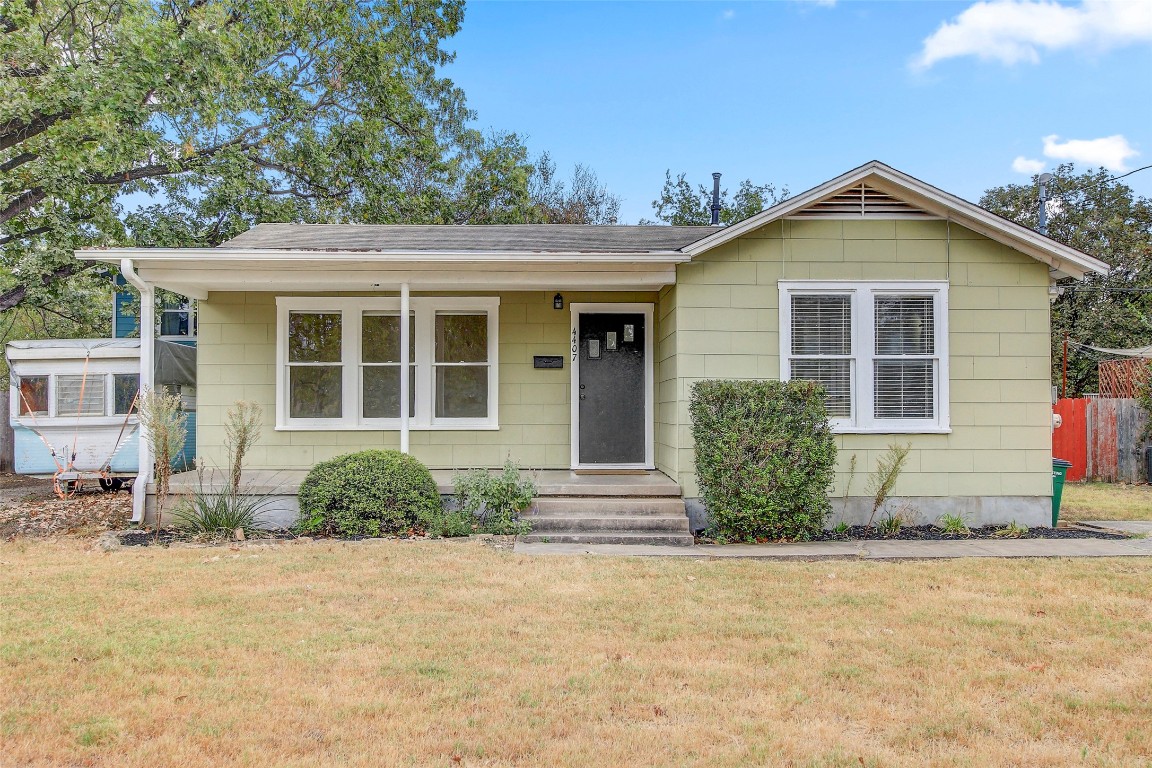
x=405, y=366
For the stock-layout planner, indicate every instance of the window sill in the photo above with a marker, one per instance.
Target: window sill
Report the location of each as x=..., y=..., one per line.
x=891, y=430
x=485, y=427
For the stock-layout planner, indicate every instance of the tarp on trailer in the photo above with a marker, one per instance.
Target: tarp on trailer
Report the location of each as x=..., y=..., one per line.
x=175, y=363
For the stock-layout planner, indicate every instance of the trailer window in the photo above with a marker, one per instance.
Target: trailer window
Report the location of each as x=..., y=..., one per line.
x=126, y=385
x=33, y=395
x=79, y=396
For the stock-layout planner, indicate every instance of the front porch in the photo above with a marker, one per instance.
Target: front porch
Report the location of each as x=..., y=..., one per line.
x=570, y=507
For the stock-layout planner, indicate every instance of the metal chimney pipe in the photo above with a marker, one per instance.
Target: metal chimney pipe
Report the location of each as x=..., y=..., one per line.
x=715, y=199
x=1045, y=178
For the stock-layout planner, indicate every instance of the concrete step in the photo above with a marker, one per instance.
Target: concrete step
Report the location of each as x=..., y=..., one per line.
x=639, y=523
x=609, y=485
x=590, y=506
x=611, y=537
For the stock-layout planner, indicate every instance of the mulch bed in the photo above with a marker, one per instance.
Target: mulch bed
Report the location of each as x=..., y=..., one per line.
x=40, y=514
x=932, y=533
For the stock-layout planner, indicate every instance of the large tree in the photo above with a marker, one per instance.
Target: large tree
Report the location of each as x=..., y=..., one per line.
x=225, y=113
x=682, y=204
x=1100, y=215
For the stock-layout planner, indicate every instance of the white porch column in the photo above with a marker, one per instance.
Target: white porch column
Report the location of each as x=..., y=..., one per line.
x=147, y=380
x=405, y=365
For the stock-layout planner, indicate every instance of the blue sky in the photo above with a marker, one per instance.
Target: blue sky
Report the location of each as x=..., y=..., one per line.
x=798, y=91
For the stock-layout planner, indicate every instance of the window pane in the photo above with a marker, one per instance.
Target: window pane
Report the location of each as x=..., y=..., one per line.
x=836, y=378
x=33, y=395
x=462, y=392
x=380, y=336
x=904, y=325
x=314, y=391
x=174, y=322
x=904, y=389
x=126, y=386
x=382, y=391
x=821, y=325
x=68, y=395
x=461, y=338
x=314, y=337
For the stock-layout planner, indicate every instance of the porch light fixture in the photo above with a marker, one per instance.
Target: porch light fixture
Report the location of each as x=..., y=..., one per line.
x=558, y=302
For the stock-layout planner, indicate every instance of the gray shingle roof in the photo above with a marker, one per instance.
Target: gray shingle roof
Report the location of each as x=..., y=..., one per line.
x=530, y=238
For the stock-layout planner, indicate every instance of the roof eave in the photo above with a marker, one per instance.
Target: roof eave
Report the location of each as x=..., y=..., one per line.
x=224, y=255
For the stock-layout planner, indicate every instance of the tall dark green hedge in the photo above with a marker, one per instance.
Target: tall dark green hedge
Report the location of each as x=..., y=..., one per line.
x=370, y=493
x=765, y=458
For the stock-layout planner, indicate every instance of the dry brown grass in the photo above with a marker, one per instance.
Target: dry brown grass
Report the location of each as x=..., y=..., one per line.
x=446, y=654
x=1106, y=501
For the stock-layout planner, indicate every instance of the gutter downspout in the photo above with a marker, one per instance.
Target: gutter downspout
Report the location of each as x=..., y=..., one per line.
x=405, y=365
x=147, y=380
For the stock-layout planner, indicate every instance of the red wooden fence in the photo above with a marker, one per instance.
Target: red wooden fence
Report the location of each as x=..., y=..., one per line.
x=1070, y=440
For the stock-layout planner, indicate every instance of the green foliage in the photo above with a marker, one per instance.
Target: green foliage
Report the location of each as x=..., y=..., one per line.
x=883, y=480
x=892, y=522
x=765, y=458
x=1013, y=530
x=953, y=524
x=1103, y=218
x=841, y=528
x=231, y=114
x=681, y=205
x=1144, y=398
x=371, y=493
x=495, y=500
x=218, y=514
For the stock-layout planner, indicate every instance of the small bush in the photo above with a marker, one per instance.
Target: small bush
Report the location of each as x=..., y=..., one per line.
x=370, y=493
x=496, y=500
x=765, y=458
x=953, y=524
x=219, y=514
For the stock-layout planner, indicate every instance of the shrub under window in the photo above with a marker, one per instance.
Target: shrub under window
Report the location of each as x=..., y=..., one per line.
x=370, y=493
x=765, y=458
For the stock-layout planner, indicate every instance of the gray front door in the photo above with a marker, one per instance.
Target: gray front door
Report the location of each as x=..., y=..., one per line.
x=612, y=407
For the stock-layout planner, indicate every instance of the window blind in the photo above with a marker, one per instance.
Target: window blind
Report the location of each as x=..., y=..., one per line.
x=821, y=325
x=68, y=396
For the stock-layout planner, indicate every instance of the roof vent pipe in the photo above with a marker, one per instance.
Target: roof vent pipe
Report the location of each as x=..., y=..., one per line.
x=715, y=199
x=1044, y=180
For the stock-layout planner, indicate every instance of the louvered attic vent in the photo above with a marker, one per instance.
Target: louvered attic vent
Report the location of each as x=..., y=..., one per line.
x=865, y=202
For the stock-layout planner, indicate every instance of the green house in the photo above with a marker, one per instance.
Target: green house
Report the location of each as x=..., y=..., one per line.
x=573, y=348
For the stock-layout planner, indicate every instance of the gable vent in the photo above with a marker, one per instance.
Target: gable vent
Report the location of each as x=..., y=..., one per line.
x=864, y=202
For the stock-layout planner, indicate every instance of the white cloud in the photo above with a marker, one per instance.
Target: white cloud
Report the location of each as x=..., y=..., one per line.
x=825, y=3
x=1027, y=166
x=728, y=14
x=1011, y=31
x=1112, y=152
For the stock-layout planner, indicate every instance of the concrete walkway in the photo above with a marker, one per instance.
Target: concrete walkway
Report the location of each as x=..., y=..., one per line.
x=1137, y=527
x=866, y=550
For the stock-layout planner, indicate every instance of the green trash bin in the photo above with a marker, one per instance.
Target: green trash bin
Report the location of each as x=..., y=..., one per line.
x=1059, y=472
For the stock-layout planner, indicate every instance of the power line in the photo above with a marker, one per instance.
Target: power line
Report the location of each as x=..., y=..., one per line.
x=1129, y=173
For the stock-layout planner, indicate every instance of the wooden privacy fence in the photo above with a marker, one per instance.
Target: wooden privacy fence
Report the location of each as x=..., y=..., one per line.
x=1115, y=450
x=1101, y=437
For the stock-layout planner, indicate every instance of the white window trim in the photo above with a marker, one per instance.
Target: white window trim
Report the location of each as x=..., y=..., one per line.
x=352, y=309
x=862, y=420
x=53, y=418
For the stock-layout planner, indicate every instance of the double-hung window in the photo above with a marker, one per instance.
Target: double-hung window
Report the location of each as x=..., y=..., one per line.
x=878, y=349
x=340, y=363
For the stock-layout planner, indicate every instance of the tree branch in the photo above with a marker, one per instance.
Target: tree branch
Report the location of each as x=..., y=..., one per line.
x=15, y=131
x=16, y=295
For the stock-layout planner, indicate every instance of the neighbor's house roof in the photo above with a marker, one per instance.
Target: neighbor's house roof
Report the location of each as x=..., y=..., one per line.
x=487, y=238
x=354, y=257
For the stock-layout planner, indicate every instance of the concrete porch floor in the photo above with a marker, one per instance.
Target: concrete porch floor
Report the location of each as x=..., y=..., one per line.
x=549, y=482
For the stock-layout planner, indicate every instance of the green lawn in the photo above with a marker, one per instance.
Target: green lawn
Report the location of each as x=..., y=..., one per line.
x=1106, y=501
x=445, y=653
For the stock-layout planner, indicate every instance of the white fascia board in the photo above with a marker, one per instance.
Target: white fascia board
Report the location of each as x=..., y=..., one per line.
x=1066, y=260
x=224, y=255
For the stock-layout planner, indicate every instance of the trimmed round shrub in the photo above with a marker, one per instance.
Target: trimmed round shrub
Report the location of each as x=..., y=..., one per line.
x=370, y=493
x=765, y=458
